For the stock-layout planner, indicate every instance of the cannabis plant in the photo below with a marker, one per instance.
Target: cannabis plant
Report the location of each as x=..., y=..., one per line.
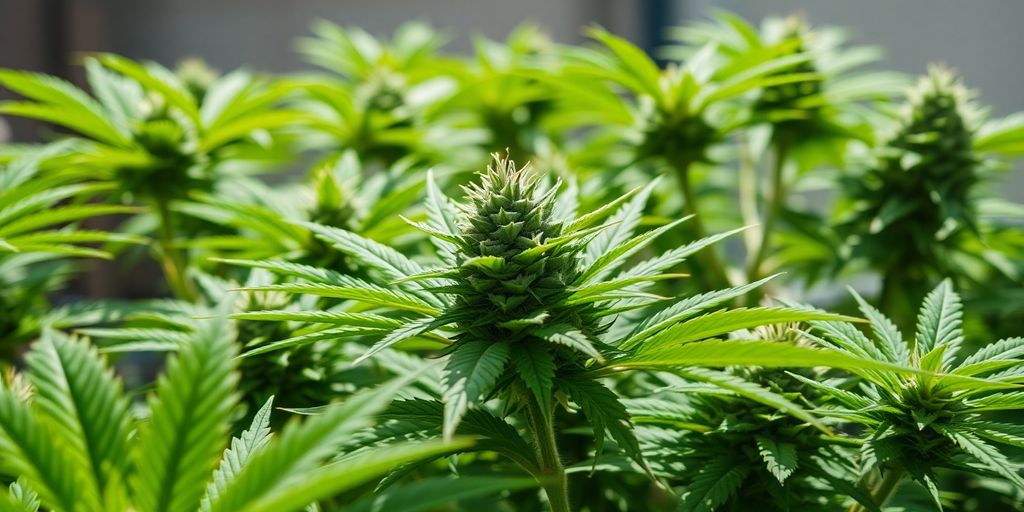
x=913, y=209
x=809, y=119
x=379, y=96
x=914, y=426
x=670, y=118
x=146, y=131
x=509, y=92
x=251, y=220
x=525, y=312
x=40, y=230
x=744, y=437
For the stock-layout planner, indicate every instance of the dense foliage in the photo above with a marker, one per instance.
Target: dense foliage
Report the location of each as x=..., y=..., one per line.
x=543, y=278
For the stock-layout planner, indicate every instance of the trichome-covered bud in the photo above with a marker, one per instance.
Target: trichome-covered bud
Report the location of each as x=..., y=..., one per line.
x=509, y=274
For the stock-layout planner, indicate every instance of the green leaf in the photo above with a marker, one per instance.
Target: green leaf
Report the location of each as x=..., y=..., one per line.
x=62, y=104
x=242, y=448
x=939, y=322
x=412, y=418
x=369, y=320
x=298, y=451
x=334, y=334
x=367, y=293
x=684, y=309
x=1002, y=350
x=605, y=413
x=675, y=256
x=390, y=263
x=80, y=394
x=347, y=473
x=769, y=354
x=1005, y=433
x=729, y=320
x=779, y=457
x=998, y=402
x=443, y=217
x=411, y=329
x=990, y=457
x=164, y=83
x=634, y=63
x=245, y=126
x=714, y=484
x=29, y=450
x=472, y=369
x=893, y=346
x=432, y=493
x=753, y=392
x=568, y=336
x=589, y=219
x=191, y=410
x=26, y=500
x=623, y=223
x=536, y=366
x=615, y=257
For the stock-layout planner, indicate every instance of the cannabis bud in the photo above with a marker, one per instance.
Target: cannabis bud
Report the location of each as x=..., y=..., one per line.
x=915, y=197
x=510, y=275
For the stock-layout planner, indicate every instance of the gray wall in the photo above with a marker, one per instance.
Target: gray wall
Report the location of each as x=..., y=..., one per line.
x=260, y=33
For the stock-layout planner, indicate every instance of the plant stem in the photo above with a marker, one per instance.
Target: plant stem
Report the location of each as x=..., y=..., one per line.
x=715, y=276
x=776, y=200
x=898, y=297
x=555, y=484
x=883, y=488
x=748, y=194
x=171, y=259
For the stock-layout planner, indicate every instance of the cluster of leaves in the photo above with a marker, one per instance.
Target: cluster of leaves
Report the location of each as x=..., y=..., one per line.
x=589, y=332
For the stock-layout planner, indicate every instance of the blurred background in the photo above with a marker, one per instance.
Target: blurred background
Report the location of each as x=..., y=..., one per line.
x=981, y=39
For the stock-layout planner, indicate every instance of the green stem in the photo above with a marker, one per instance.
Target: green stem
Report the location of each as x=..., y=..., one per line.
x=899, y=297
x=883, y=488
x=171, y=259
x=776, y=200
x=748, y=194
x=554, y=481
x=716, y=276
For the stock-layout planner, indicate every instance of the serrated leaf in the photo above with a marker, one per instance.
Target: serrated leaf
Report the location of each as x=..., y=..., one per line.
x=329, y=480
x=411, y=329
x=730, y=320
x=473, y=367
x=939, y=322
x=990, y=457
x=605, y=413
x=753, y=392
x=80, y=394
x=684, y=309
x=297, y=453
x=30, y=451
x=780, y=458
x=536, y=367
x=242, y=448
x=191, y=409
x=714, y=484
